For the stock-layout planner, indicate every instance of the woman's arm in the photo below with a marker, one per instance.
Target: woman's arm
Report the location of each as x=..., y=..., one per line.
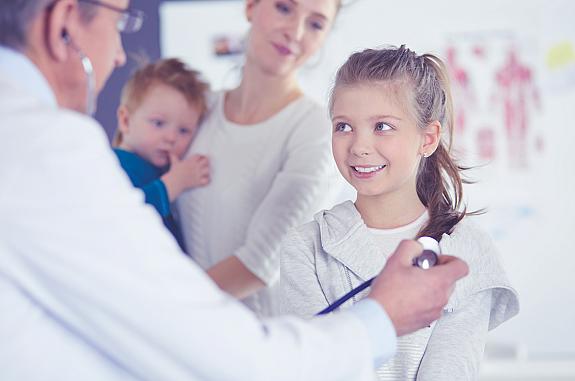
x=455, y=348
x=233, y=277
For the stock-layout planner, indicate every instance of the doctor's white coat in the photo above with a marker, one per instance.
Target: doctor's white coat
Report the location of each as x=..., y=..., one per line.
x=92, y=286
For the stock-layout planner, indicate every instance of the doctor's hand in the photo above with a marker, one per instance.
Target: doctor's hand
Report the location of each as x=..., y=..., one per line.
x=191, y=172
x=413, y=298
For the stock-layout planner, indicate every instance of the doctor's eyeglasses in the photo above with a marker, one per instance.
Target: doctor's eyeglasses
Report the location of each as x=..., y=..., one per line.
x=131, y=19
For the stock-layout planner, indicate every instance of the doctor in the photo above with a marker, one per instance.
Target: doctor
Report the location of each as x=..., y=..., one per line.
x=92, y=287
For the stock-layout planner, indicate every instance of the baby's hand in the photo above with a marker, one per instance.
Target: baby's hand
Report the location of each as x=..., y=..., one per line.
x=191, y=172
x=195, y=170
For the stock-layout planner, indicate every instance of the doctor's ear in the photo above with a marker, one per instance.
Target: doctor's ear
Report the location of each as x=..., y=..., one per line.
x=62, y=17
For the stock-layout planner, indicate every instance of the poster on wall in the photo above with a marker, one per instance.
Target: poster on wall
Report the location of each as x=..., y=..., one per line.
x=496, y=94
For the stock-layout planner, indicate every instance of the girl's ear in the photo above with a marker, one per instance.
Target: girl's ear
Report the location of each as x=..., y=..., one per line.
x=431, y=138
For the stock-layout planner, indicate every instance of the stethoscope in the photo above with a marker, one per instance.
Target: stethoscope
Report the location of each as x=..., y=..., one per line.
x=428, y=258
x=88, y=68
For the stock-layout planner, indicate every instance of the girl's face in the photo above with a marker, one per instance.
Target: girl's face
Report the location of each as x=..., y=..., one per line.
x=285, y=33
x=376, y=142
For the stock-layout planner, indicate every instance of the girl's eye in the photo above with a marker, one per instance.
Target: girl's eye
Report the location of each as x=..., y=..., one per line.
x=185, y=131
x=381, y=126
x=157, y=123
x=342, y=127
x=282, y=7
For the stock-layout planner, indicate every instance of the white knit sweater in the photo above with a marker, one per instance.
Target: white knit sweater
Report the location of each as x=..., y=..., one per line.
x=265, y=179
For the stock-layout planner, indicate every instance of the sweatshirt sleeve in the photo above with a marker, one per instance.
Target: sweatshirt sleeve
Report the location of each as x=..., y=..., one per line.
x=297, y=191
x=456, y=345
x=301, y=292
x=486, y=272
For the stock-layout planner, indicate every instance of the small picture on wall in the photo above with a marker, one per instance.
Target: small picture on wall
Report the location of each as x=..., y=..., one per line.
x=228, y=45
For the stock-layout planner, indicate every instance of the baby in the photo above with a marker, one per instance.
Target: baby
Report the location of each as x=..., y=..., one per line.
x=160, y=109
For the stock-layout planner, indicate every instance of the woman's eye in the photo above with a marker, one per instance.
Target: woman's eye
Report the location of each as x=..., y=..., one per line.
x=342, y=127
x=316, y=25
x=282, y=7
x=381, y=126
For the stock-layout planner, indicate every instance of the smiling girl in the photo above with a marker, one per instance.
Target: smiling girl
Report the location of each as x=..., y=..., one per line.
x=391, y=111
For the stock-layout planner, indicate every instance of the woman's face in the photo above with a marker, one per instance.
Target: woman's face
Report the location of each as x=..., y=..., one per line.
x=285, y=33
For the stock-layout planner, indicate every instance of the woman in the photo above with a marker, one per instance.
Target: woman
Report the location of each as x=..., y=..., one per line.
x=269, y=153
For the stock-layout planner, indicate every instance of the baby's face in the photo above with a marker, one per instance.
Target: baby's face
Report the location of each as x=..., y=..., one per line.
x=164, y=123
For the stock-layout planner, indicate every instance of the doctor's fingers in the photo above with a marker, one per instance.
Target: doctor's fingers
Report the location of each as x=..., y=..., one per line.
x=405, y=253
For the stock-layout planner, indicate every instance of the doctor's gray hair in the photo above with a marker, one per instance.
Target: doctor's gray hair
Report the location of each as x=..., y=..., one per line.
x=17, y=15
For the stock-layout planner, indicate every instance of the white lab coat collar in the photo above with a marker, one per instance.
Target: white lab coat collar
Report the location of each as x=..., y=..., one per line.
x=17, y=68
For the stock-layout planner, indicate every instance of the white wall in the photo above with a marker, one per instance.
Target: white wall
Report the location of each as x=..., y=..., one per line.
x=531, y=209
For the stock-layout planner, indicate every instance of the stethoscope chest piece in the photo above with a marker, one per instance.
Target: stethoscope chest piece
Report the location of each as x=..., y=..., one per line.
x=430, y=255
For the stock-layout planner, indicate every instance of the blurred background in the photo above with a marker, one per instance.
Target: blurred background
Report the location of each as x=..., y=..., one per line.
x=512, y=68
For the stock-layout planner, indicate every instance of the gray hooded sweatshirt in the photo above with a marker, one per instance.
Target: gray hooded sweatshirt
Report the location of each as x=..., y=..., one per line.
x=326, y=258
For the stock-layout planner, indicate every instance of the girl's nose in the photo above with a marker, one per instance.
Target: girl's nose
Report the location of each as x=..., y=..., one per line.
x=361, y=147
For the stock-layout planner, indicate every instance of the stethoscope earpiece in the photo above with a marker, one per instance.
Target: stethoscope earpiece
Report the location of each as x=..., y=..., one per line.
x=66, y=37
x=88, y=71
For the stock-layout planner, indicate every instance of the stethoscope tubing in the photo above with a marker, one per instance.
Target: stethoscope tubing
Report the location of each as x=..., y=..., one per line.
x=428, y=258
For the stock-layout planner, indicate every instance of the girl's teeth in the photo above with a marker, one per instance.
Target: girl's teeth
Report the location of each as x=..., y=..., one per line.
x=368, y=169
